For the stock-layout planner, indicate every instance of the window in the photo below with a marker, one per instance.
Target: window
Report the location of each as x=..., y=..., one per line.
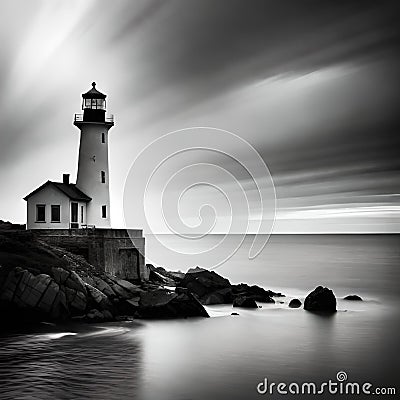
x=40, y=213
x=81, y=214
x=103, y=177
x=55, y=213
x=103, y=211
x=95, y=104
x=103, y=137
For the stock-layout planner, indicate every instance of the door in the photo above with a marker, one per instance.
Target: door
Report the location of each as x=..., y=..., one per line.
x=129, y=263
x=74, y=215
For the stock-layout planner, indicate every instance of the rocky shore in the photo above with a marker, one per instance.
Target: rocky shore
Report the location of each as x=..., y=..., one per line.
x=39, y=282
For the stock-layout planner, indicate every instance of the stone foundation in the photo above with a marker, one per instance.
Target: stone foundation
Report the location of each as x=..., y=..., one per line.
x=110, y=250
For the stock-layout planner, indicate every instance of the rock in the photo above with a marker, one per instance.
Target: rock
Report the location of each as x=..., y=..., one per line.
x=134, y=301
x=107, y=315
x=244, y=302
x=255, y=292
x=60, y=307
x=160, y=274
x=60, y=275
x=353, y=297
x=104, y=287
x=89, y=280
x=163, y=304
x=156, y=298
x=76, y=299
x=40, y=294
x=195, y=269
x=48, y=297
x=95, y=315
x=130, y=287
x=204, y=282
x=75, y=282
x=295, y=303
x=221, y=296
x=10, y=283
x=99, y=298
x=320, y=299
x=177, y=276
x=120, y=292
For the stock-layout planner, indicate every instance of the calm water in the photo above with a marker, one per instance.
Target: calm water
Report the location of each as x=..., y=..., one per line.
x=227, y=356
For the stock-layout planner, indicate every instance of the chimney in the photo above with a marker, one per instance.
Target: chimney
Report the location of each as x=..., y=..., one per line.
x=66, y=179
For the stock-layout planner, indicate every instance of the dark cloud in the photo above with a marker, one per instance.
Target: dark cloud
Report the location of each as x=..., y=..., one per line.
x=226, y=40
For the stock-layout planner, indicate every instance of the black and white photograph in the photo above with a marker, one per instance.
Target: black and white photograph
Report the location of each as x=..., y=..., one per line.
x=200, y=199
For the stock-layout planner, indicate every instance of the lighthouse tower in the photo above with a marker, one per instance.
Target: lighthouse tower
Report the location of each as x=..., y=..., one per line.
x=93, y=173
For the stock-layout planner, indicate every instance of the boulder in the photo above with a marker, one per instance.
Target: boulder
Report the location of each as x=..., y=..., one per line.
x=134, y=301
x=353, y=297
x=254, y=292
x=321, y=299
x=10, y=283
x=130, y=287
x=95, y=315
x=244, y=302
x=204, y=282
x=99, y=298
x=60, y=275
x=48, y=297
x=163, y=304
x=75, y=299
x=104, y=287
x=295, y=303
x=221, y=296
x=75, y=282
x=156, y=298
x=120, y=292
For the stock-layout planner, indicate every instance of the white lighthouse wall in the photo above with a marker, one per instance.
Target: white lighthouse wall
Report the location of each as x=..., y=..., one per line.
x=48, y=196
x=93, y=158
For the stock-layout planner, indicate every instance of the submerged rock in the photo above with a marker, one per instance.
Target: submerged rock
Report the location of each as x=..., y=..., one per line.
x=321, y=299
x=295, y=303
x=353, y=297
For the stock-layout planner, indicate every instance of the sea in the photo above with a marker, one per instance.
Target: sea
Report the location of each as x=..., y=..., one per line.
x=228, y=356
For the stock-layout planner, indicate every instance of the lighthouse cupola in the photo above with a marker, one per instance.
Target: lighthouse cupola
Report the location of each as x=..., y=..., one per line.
x=94, y=105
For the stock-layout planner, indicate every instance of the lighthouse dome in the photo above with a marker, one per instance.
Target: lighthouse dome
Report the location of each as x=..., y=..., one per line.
x=93, y=93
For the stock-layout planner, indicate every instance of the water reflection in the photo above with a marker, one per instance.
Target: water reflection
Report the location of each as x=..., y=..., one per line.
x=104, y=364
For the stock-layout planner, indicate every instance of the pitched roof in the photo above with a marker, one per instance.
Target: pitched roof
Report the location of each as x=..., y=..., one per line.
x=93, y=93
x=69, y=189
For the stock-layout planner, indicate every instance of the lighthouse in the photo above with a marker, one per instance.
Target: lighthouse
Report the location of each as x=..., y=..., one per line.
x=93, y=172
x=76, y=216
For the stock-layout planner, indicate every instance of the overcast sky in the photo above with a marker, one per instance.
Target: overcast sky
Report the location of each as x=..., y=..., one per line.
x=311, y=84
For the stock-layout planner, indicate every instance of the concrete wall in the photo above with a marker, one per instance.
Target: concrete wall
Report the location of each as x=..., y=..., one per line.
x=110, y=250
x=49, y=196
x=89, y=171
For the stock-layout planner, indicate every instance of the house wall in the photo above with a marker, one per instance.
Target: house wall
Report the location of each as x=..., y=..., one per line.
x=48, y=196
x=52, y=196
